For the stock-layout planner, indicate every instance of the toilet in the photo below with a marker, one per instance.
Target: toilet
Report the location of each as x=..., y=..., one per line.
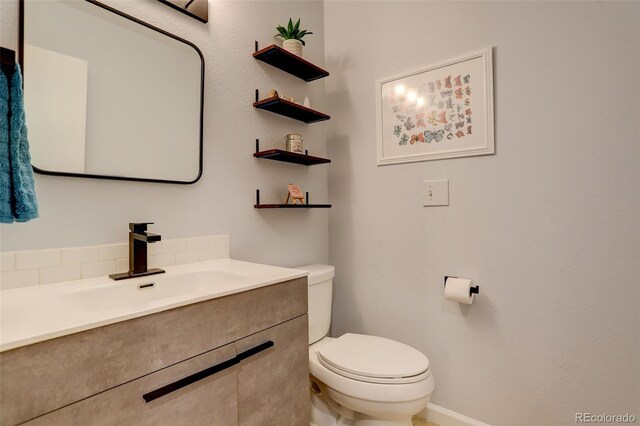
x=358, y=379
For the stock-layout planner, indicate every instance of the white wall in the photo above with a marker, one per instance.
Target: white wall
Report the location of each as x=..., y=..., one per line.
x=77, y=212
x=548, y=227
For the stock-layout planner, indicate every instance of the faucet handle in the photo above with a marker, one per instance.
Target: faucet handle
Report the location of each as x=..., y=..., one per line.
x=139, y=228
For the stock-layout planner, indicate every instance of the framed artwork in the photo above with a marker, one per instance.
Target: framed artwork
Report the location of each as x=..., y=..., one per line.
x=444, y=110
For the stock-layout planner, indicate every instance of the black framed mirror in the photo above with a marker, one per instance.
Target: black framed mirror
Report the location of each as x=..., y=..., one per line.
x=198, y=9
x=108, y=96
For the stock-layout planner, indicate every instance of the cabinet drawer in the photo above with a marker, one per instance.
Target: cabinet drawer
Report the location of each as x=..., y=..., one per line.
x=45, y=376
x=273, y=386
x=209, y=400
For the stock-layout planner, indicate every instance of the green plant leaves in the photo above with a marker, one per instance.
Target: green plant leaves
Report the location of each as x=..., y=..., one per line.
x=292, y=32
x=282, y=32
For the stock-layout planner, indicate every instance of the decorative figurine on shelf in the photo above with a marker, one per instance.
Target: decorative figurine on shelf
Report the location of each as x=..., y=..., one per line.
x=273, y=93
x=295, y=194
x=307, y=103
x=293, y=143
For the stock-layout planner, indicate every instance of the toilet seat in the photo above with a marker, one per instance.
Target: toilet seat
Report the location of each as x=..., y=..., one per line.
x=374, y=359
x=383, y=392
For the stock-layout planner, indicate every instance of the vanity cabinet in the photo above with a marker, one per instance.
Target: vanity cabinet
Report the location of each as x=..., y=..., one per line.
x=241, y=359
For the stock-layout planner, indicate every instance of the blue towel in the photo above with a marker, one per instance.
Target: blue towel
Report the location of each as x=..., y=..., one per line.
x=17, y=191
x=6, y=192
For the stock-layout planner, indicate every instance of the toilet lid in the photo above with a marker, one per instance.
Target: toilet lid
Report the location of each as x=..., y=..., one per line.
x=374, y=359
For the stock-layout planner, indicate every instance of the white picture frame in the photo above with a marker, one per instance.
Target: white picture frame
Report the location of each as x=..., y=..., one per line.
x=444, y=110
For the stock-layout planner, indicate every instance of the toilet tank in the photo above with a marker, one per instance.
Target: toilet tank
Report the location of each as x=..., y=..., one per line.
x=320, y=290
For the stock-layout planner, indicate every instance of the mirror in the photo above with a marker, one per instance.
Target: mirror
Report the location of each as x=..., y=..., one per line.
x=108, y=96
x=198, y=9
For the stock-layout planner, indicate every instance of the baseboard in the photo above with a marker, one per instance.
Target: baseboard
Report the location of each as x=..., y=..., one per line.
x=443, y=417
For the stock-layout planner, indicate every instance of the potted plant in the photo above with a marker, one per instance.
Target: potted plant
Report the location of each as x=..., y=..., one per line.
x=293, y=37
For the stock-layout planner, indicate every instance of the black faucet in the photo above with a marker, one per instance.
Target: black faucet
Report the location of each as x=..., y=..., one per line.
x=138, y=239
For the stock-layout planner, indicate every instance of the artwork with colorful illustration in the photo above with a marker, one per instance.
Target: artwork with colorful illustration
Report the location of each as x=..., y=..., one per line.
x=429, y=112
x=441, y=111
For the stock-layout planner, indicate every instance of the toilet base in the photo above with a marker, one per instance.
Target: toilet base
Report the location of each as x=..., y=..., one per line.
x=364, y=420
x=367, y=412
x=323, y=414
x=325, y=411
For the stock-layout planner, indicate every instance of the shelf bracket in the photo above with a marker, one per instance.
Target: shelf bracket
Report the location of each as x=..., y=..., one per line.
x=257, y=145
x=257, y=196
x=257, y=95
x=307, y=195
x=256, y=45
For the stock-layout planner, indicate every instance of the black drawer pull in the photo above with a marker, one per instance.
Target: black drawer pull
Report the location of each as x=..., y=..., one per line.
x=172, y=387
x=179, y=384
x=255, y=350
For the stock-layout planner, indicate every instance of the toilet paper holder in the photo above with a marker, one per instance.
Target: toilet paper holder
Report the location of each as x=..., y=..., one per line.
x=472, y=290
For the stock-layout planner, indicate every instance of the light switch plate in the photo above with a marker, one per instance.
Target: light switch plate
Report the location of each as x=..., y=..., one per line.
x=435, y=193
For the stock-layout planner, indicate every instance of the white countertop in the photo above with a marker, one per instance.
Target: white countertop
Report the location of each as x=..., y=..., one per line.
x=37, y=313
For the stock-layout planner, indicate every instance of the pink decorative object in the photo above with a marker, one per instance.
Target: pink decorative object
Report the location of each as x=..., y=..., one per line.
x=294, y=193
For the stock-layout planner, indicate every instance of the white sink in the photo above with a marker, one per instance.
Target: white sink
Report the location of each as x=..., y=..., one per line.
x=33, y=314
x=151, y=290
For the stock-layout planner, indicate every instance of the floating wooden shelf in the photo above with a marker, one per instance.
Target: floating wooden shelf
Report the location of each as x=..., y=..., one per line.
x=305, y=70
x=290, y=109
x=259, y=205
x=290, y=157
x=292, y=206
x=289, y=63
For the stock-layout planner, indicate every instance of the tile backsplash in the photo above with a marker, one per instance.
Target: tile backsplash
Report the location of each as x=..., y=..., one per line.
x=33, y=267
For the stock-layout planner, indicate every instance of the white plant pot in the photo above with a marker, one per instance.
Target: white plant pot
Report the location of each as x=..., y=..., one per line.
x=293, y=46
